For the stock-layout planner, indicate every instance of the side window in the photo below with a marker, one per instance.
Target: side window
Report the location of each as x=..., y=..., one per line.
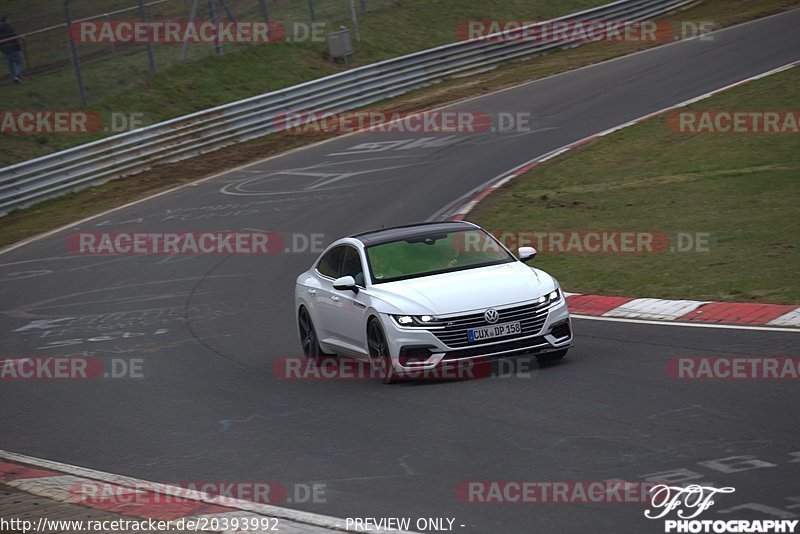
x=352, y=266
x=331, y=263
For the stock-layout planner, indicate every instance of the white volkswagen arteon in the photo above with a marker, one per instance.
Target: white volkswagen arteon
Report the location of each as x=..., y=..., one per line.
x=412, y=298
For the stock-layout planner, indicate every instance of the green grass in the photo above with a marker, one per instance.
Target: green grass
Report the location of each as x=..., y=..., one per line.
x=742, y=190
x=190, y=87
x=122, y=83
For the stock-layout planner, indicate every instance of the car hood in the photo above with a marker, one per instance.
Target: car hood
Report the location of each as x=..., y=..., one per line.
x=462, y=291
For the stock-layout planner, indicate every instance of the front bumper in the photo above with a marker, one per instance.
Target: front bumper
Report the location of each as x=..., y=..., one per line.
x=418, y=349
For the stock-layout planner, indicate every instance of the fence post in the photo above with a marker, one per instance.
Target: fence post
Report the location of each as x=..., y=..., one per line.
x=363, y=6
x=228, y=11
x=26, y=60
x=355, y=20
x=73, y=52
x=264, y=10
x=311, y=11
x=212, y=10
x=150, y=60
x=192, y=16
x=113, y=39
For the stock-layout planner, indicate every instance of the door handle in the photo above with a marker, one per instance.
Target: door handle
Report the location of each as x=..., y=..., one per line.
x=312, y=291
x=334, y=298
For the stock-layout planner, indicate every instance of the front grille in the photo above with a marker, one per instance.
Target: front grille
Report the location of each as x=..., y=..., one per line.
x=560, y=330
x=507, y=349
x=531, y=317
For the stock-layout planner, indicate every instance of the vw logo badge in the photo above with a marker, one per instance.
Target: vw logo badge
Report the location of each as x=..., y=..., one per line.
x=491, y=316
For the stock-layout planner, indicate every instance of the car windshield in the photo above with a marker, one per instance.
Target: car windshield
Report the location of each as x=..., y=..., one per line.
x=434, y=254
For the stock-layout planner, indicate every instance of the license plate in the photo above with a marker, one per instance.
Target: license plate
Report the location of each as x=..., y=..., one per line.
x=496, y=330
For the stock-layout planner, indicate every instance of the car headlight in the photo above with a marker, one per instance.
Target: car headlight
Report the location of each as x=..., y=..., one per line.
x=551, y=297
x=415, y=320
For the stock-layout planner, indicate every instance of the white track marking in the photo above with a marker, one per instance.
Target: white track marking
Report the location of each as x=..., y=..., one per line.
x=691, y=325
x=659, y=309
x=258, y=508
x=787, y=319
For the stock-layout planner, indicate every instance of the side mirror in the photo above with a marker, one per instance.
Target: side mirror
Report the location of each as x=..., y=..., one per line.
x=526, y=253
x=344, y=283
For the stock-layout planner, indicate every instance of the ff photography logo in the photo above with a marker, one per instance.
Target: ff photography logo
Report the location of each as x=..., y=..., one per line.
x=693, y=500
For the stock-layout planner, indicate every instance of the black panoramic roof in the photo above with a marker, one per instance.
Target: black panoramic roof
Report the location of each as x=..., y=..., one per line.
x=397, y=233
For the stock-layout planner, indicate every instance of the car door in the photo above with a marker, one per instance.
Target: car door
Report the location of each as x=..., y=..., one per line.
x=351, y=307
x=326, y=307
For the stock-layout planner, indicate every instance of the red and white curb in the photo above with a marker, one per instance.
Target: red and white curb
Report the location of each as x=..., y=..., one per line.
x=57, y=481
x=689, y=311
x=685, y=311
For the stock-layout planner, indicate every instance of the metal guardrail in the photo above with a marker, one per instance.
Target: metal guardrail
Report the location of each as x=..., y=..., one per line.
x=28, y=182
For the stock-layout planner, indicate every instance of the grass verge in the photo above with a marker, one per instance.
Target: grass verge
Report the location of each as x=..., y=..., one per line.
x=122, y=83
x=738, y=191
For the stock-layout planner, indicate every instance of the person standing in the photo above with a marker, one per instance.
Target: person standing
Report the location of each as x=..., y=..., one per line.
x=11, y=48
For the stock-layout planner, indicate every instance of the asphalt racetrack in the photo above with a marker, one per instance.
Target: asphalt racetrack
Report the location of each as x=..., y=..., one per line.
x=209, y=327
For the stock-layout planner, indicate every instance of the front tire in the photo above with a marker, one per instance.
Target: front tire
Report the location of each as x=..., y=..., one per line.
x=379, y=352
